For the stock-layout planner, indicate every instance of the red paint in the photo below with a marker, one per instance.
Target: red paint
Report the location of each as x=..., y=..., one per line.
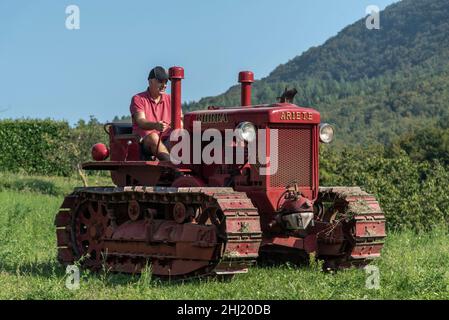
x=308, y=244
x=176, y=74
x=188, y=181
x=99, y=152
x=246, y=78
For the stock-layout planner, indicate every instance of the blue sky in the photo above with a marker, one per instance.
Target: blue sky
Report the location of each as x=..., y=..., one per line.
x=47, y=70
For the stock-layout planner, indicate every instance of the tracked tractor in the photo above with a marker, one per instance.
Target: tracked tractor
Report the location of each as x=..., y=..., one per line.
x=242, y=186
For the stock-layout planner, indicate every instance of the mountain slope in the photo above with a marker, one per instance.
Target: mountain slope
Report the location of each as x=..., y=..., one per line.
x=372, y=84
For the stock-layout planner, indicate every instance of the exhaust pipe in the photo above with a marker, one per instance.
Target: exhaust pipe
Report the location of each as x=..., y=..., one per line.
x=176, y=74
x=246, y=78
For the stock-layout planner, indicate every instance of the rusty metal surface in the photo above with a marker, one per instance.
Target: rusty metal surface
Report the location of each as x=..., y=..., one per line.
x=295, y=157
x=106, y=227
x=356, y=232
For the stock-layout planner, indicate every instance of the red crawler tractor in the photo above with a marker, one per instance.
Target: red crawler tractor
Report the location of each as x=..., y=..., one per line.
x=208, y=218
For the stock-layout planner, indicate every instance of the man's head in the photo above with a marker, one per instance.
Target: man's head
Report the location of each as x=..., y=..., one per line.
x=157, y=81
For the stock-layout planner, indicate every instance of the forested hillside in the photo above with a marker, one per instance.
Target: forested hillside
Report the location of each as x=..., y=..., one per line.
x=374, y=85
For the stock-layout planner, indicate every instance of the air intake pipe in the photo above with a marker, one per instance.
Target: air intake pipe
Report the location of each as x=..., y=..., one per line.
x=246, y=78
x=176, y=74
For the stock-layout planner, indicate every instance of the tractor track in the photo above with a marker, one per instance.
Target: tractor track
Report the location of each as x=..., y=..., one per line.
x=89, y=218
x=357, y=226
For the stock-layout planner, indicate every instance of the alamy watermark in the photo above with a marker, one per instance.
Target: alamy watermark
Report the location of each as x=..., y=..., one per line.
x=373, y=19
x=372, y=277
x=72, y=282
x=72, y=21
x=208, y=146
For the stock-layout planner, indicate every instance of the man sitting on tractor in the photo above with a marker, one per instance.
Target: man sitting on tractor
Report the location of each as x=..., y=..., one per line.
x=151, y=115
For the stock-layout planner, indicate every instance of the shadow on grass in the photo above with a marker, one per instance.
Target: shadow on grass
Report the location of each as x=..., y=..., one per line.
x=52, y=269
x=285, y=258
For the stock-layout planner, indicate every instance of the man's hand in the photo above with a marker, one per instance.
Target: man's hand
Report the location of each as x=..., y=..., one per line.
x=162, y=126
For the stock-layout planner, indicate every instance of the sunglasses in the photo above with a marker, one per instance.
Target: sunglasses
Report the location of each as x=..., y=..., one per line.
x=163, y=82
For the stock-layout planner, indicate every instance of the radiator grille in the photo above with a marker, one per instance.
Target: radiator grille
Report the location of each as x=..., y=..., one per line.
x=294, y=157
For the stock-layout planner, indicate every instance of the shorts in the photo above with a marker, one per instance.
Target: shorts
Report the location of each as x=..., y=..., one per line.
x=146, y=153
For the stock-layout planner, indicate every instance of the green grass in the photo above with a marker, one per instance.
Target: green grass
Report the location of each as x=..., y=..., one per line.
x=54, y=186
x=412, y=266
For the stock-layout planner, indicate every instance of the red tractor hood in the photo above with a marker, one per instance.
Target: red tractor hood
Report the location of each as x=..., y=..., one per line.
x=226, y=117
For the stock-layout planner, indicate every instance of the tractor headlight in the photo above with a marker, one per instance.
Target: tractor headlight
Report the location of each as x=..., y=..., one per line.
x=246, y=131
x=326, y=133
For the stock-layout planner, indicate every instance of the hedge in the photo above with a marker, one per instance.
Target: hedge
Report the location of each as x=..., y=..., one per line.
x=34, y=146
x=47, y=147
x=414, y=195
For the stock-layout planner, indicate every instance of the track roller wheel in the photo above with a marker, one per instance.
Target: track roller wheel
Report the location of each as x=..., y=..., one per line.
x=88, y=228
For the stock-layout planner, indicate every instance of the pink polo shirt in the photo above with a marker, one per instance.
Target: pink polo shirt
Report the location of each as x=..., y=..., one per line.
x=154, y=112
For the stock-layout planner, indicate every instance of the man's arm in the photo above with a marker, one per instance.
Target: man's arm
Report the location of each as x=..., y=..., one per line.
x=144, y=124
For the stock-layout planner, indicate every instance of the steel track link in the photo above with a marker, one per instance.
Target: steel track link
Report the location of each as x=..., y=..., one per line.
x=240, y=220
x=360, y=227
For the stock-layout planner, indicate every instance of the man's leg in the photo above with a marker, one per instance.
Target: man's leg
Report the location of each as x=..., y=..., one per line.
x=151, y=141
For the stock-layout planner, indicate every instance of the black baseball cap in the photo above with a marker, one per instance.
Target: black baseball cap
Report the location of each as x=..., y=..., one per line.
x=158, y=73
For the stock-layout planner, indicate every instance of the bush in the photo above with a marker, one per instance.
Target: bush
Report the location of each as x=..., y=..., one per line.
x=34, y=146
x=414, y=195
x=47, y=147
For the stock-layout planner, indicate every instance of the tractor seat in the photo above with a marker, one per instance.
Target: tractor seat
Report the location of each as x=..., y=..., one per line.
x=120, y=128
x=124, y=131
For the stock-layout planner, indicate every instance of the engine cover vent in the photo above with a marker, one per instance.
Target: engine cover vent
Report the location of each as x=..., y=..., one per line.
x=295, y=161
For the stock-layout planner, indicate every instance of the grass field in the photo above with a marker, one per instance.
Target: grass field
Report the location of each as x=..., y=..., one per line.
x=412, y=266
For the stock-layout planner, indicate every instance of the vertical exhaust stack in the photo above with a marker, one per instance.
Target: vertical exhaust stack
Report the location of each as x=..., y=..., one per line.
x=176, y=74
x=246, y=78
